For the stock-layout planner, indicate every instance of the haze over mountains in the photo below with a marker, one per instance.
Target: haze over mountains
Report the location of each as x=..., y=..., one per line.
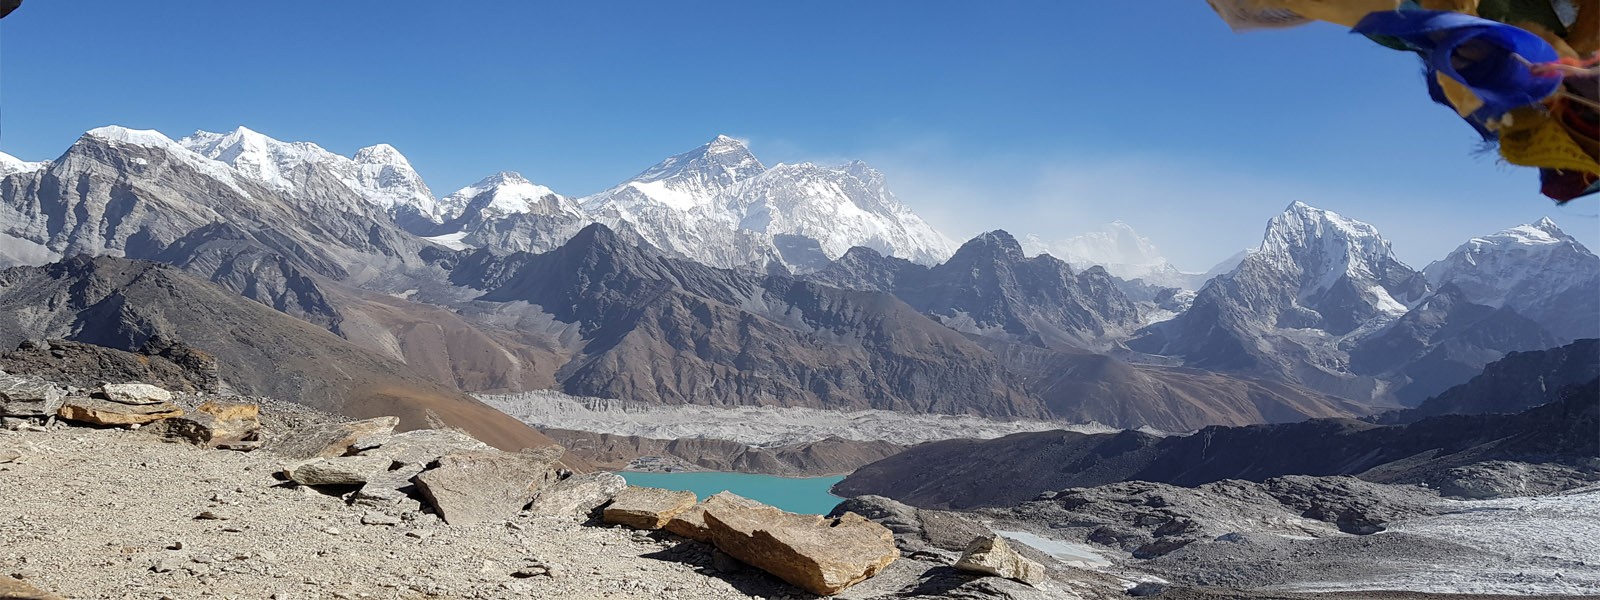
x=711, y=278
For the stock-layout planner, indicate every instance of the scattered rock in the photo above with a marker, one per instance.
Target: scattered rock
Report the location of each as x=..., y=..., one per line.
x=218, y=424
x=28, y=397
x=817, y=554
x=577, y=495
x=379, y=519
x=10, y=455
x=1161, y=547
x=489, y=485
x=343, y=470
x=895, y=515
x=134, y=393
x=106, y=412
x=692, y=523
x=16, y=589
x=1147, y=588
x=646, y=507
x=991, y=555
x=330, y=439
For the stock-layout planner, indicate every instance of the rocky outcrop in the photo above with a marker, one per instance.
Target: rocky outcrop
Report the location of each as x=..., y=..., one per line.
x=218, y=424
x=991, y=555
x=27, y=397
x=467, y=488
x=818, y=554
x=647, y=508
x=168, y=364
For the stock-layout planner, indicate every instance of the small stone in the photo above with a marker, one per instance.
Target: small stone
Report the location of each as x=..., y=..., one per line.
x=175, y=546
x=331, y=531
x=207, y=516
x=420, y=534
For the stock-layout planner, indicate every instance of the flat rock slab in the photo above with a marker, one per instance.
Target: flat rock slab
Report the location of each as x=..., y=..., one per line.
x=134, y=393
x=646, y=507
x=331, y=439
x=105, y=412
x=577, y=495
x=487, y=485
x=214, y=424
x=12, y=588
x=818, y=554
x=991, y=555
x=418, y=447
x=341, y=470
x=692, y=523
x=28, y=397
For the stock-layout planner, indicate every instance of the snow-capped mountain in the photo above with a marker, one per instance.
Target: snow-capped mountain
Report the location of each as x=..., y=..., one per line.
x=504, y=194
x=1342, y=270
x=1536, y=270
x=10, y=165
x=379, y=174
x=1316, y=278
x=720, y=205
x=507, y=212
x=1123, y=253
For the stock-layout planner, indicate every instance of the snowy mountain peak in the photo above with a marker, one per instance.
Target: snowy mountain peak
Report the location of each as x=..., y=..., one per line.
x=379, y=174
x=1321, y=250
x=381, y=154
x=11, y=165
x=1536, y=269
x=504, y=194
x=138, y=137
x=719, y=163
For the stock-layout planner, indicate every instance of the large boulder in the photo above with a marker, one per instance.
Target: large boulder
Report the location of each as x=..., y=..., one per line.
x=95, y=411
x=646, y=507
x=991, y=555
x=341, y=470
x=28, y=397
x=486, y=485
x=817, y=554
x=330, y=439
x=692, y=523
x=134, y=393
x=577, y=495
x=217, y=424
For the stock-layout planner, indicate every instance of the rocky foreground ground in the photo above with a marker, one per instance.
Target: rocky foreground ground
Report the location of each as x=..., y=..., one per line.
x=130, y=491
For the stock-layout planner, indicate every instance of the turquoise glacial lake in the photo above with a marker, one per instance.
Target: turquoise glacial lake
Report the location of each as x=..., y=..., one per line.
x=805, y=495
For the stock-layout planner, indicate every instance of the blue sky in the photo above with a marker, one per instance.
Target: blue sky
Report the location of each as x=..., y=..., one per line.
x=1040, y=117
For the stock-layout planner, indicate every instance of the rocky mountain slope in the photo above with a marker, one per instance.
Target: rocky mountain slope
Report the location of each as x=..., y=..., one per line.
x=129, y=305
x=1520, y=381
x=1561, y=435
x=831, y=456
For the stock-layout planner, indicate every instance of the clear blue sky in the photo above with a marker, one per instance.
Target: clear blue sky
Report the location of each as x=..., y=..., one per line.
x=1043, y=117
